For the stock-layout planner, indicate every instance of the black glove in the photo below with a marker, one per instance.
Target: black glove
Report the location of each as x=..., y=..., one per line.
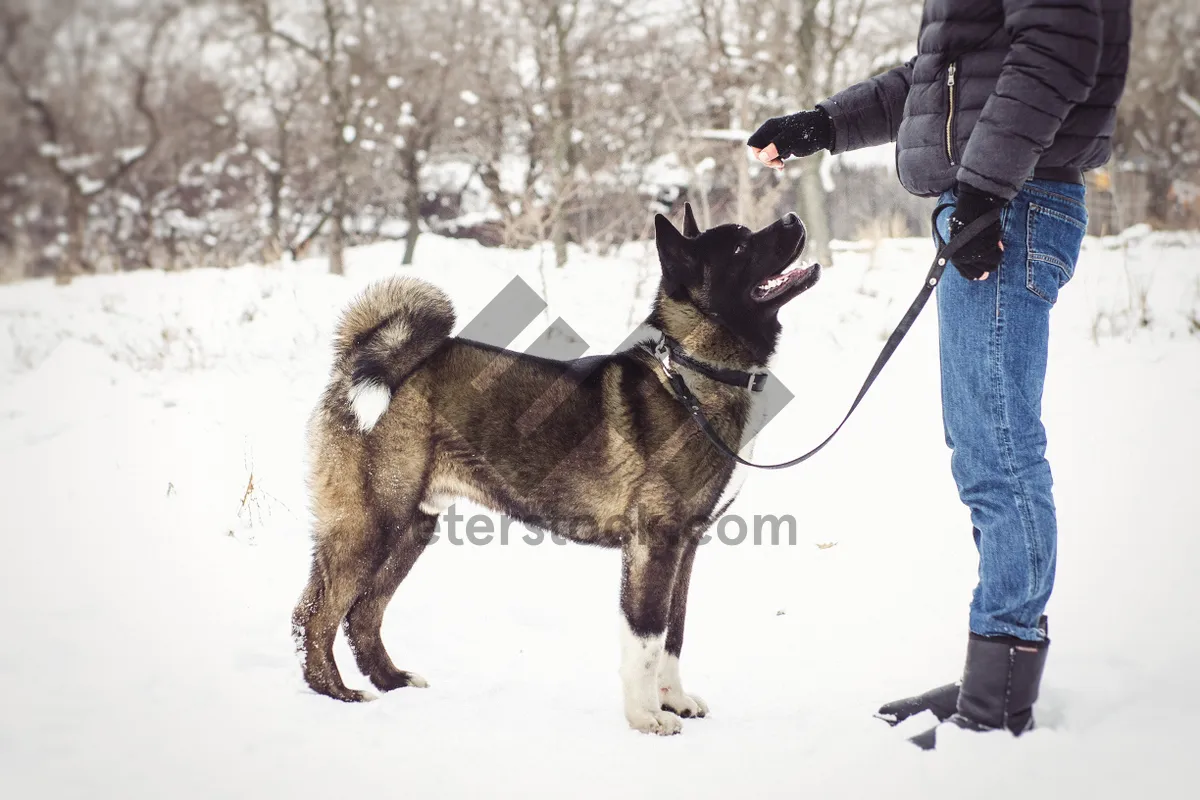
x=982, y=253
x=799, y=134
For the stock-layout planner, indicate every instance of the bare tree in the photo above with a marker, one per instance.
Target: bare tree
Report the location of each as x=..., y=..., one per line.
x=65, y=144
x=281, y=83
x=327, y=48
x=238, y=130
x=770, y=57
x=570, y=43
x=1158, y=127
x=418, y=51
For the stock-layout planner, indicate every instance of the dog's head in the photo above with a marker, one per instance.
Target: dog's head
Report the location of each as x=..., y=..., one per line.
x=722, y=288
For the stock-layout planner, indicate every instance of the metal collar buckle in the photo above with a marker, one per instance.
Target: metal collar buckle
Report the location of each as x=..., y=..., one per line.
x=663, y=353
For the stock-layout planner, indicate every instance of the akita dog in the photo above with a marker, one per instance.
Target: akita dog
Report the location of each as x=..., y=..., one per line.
x=597, y=450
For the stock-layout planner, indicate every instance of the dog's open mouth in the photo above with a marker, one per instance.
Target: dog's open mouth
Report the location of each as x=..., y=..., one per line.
x=795, y=278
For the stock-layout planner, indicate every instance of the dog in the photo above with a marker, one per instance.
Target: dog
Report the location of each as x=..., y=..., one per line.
x=597, y=450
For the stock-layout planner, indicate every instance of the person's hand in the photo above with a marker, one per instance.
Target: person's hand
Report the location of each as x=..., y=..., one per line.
x=800, y=134
x=980, y=256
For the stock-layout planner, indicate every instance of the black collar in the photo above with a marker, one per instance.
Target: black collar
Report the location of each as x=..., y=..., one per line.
x=670, y=353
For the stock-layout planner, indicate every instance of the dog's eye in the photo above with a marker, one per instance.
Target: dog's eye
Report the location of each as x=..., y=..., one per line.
x=741, y=248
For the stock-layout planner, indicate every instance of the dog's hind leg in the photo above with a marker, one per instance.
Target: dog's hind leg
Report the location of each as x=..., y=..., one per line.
x=341, y=563
x=366, y=616
x=670, y=687
x=649, y=565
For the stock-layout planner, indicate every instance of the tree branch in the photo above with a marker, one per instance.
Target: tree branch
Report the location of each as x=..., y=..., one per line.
x=126, y=164
x=32, y=99
x=261, y=13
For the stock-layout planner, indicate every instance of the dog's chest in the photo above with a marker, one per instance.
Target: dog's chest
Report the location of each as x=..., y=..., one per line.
x=755, y=418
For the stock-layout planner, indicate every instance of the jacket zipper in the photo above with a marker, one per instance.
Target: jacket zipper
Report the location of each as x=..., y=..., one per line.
x=950, y=116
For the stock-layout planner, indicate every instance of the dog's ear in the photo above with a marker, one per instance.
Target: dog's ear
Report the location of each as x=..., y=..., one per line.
x=674, y=252
x=690, y=228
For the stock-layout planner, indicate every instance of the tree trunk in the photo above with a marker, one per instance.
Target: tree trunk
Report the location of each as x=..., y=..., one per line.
x=1159, y=200
x=814, y=209
x=337, y=213
x=412, y=205
x=273, y=247
x=564, y=148
x=337, y=239
x=72, y=261
x=745, y=192
x=558, y=230
x=20, y=262
x=811, y=195
x=341, y=107
x=562, y=188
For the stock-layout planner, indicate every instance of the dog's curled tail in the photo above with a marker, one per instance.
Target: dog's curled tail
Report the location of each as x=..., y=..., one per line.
x=385, y=333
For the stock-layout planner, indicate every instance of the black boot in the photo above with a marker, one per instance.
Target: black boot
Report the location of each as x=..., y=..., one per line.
x=999, y=686
x=942, y=701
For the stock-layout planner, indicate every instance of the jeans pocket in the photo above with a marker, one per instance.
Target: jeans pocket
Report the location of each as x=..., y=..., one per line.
x=1054, y=239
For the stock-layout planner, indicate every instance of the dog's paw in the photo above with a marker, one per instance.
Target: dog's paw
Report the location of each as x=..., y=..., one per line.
x=685, y=705
x=398, y=679
x=662, y=723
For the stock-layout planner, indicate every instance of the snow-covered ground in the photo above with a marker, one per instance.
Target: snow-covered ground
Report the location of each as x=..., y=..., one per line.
x=155, y=539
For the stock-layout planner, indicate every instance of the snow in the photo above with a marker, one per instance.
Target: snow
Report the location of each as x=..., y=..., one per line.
x=406, y=118
x=663, y=173
x=128, y=154
x=883, y=155
x=268, y=162
x=78, y=163
x=722, y=135
x=1189, y=102
x=89, y=186
x=155, y=539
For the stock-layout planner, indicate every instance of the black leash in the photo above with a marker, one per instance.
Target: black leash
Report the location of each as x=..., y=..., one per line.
x=664, y=352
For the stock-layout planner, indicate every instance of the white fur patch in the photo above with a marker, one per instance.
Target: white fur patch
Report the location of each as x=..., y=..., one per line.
x=671, y=692
x=369, y=400
x=417, y=681
x=640, y=656
x=395, y=336
x=758, y=409
x=435, y=504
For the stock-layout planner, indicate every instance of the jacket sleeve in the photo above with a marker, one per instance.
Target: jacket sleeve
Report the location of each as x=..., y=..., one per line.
x=869, y=113
x=1051, y=65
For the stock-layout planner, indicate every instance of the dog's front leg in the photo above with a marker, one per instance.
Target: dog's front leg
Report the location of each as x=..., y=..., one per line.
x=673, y=697
x=649, y=565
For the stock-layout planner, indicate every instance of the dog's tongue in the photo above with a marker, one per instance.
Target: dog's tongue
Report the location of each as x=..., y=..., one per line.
x=796, y=270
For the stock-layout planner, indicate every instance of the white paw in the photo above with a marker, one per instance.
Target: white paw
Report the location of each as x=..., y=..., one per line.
x=670, y=692
x=417, y=681
x=685, y=705
x=662, y=723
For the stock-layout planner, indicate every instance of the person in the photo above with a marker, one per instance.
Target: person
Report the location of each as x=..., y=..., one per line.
x=1005, y=105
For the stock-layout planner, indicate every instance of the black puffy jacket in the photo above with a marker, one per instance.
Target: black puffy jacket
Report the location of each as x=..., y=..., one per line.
x=999, y=91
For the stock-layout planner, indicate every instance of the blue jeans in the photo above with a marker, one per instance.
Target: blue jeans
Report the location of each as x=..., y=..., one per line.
x=994, y=338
